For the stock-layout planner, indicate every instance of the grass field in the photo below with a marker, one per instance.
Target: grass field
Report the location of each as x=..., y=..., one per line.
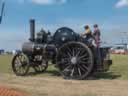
x=112, y=83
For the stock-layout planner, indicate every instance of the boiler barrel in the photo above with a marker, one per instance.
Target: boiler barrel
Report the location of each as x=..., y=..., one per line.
x=30, y=48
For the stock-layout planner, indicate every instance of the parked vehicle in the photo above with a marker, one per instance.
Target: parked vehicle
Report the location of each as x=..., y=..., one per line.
x=72, y=54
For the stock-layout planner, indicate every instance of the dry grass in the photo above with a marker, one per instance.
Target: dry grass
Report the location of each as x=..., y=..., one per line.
x=113, y=83
x=49, y=86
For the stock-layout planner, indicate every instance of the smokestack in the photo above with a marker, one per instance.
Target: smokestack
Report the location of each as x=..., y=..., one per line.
x=32, y=30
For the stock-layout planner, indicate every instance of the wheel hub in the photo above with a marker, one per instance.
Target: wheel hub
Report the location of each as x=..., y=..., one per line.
x=74, y=60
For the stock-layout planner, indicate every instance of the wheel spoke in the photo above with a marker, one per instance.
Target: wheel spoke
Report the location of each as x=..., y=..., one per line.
x=72, y=72
x=82, y=51
x=73, y=52
x=40, y=66
x=83, y=56
x=69, y=50
x=82, y=68
x=83, y=62
x=66, y=69
x=78, y=52
x=19, y=60
x=17, y=63
x=85, y=67
x=79, y=71
x=21, y=69
x=69, y=54
x=85, y=59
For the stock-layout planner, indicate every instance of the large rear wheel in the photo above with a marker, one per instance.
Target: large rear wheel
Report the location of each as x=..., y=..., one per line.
x=75, y=60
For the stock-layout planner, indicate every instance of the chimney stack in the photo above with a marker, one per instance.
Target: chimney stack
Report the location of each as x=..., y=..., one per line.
x=32, y=30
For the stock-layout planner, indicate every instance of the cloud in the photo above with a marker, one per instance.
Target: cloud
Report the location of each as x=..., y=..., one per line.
x=48, y=2
x=41, y=2
x=122, y=3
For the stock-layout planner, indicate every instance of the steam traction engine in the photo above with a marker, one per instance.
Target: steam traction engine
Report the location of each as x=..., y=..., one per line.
x=73, y=56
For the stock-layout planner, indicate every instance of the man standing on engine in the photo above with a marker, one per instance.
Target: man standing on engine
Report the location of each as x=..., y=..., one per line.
x=96, y=35
x=88, y=32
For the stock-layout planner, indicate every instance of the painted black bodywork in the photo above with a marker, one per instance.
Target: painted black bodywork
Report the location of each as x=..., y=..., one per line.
x=48, y=46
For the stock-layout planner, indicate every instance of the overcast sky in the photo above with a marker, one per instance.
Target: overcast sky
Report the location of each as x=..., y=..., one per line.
x=111, y=15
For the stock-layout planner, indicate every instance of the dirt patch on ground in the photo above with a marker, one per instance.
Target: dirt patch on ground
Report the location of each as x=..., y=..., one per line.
x=9, y=92
x=50, y=86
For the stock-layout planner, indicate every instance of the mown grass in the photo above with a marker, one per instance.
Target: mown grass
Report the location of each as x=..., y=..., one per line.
x=120, y=66
x=5, y=63
x=118, y=70
x=51, y=84
x=6, y=67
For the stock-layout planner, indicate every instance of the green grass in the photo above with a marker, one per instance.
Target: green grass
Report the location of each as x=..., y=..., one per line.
x=5, y=66
x=118, y=70
x=5, y=63
x=120, y=65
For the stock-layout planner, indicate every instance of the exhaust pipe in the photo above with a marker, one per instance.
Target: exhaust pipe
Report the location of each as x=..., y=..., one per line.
x=32, y=30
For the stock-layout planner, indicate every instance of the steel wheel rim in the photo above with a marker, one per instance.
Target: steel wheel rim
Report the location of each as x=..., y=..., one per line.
x=69, y=66
x=20, y=64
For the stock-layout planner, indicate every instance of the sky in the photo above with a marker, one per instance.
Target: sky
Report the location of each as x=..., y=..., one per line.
x=110, y=15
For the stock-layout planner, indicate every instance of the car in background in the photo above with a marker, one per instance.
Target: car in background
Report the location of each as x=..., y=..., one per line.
x=119, y=50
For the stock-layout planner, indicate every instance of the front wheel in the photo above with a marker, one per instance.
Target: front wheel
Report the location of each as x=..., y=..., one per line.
x=75, y=60
x=20, y=64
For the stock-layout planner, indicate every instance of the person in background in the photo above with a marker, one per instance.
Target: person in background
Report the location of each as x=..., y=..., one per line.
x=96, y=35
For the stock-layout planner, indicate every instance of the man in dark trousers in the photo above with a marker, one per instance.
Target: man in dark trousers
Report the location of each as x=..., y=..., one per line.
x=97, y=35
